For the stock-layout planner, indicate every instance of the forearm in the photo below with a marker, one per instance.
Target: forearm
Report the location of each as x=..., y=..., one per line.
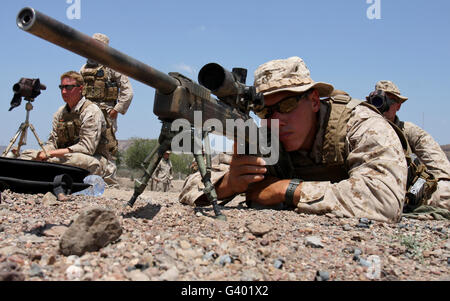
x=59, y=153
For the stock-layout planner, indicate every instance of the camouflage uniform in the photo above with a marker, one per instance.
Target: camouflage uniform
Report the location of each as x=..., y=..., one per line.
x=125, y=89
x=426, y=149
x=375, y=183
x=432, y=156
x=162, y=176
x=85, y=153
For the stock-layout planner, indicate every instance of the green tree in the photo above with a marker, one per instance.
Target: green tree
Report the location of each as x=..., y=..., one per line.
x=138, y=151
x=181, y=163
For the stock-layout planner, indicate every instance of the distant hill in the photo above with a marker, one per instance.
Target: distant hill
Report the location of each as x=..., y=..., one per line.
x=124, y=144
x=446, y=149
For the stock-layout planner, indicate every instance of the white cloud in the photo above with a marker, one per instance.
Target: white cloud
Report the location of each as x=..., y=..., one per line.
x=183, y=68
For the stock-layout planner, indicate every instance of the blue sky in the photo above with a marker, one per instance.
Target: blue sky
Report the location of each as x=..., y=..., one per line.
x=409, y=45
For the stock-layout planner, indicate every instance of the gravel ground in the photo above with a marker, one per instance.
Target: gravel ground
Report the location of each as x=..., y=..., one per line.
x=164, y=240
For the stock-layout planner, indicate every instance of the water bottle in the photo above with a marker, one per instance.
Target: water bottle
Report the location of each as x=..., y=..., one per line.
x=97, y=186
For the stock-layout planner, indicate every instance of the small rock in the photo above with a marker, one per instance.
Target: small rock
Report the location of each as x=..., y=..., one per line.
x=365, y=221
x=347, y=227
x=314, y=242
x=210, y=256
x=2, y=229
x=170, y=275
x=447, y=245
x=63, y=198
x=365, y=263
x=357, y=238
x=448, y=261
x=137, y=275
x=363, y=226
x=36, y=271
x=50, y=200
x=31, y=238
x=264, y=243
x=330, y=215
x=251, y=262
x=74, y=273
x=322, y=276
x=55, y=231
x=185, y=245
x=259, y=229
x=356, y=254
x=339, y=214
x=11, y=250
x=437, y=253
x=225, y=259
x=278, y=264
x=51, y=260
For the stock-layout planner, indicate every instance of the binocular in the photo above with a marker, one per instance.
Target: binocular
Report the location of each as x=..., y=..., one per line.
x=380, y=100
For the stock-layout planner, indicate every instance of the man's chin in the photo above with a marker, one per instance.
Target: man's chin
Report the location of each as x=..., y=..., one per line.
x=288, y=146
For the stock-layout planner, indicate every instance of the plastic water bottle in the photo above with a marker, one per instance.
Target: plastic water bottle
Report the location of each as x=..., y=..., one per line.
x=97, y=188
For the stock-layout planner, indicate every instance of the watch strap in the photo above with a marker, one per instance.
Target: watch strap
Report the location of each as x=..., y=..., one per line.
x=289, y=197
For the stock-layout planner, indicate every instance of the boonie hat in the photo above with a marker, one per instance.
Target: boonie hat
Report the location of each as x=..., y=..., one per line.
x=101, y=37
x=390, y=87
x=287, y=75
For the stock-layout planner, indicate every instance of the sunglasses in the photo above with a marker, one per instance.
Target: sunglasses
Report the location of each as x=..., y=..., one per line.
x=286, y=105
x=68, y=87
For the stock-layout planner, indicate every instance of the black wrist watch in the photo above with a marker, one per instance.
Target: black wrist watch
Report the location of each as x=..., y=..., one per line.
x=289, y=197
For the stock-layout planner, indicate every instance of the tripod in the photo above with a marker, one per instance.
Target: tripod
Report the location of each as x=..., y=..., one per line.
x=23, y=133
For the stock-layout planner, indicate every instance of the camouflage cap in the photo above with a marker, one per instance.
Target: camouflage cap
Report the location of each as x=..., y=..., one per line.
x=389, y=87
x=287, y=75
x=101, y=37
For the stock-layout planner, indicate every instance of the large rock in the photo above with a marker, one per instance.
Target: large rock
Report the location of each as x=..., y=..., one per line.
x=94, y=229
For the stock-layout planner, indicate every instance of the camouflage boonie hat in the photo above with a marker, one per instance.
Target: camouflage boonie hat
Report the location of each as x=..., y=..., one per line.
x=101, y=37
x=390, y=87
x=287, y=75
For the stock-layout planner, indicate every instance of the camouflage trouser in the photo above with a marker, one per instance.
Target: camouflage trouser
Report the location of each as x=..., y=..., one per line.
x=159, y=186
x=110, y=173
x=96, y=165
x=441, y=197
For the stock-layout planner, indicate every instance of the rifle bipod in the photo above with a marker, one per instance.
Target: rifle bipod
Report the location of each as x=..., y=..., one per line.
x=154, y=158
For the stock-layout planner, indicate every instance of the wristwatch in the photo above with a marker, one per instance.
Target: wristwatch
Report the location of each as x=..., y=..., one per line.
x=289, y=197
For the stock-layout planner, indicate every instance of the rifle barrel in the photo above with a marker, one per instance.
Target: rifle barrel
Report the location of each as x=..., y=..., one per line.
x=53, y=31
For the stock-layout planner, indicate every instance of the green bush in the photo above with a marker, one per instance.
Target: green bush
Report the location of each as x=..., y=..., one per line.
x=138, y=152
x=141, y=148
x=181, y=163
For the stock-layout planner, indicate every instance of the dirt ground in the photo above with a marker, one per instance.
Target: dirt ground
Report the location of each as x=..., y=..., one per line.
x=165, y=240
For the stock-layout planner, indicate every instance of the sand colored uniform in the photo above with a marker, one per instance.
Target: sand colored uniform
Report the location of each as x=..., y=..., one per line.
x=89, y=150
x=124, y=97
x=162, y=176
x=376, y=172
x=432, y=156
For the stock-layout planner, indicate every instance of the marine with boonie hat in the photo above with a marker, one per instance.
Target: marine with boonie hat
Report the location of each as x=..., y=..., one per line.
x=354, y=166
x=163, y=175
x=109, y=89
x=423, y=146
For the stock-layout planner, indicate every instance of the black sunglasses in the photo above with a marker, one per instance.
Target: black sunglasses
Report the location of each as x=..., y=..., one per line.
x=68, y=87
x=286, y=105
